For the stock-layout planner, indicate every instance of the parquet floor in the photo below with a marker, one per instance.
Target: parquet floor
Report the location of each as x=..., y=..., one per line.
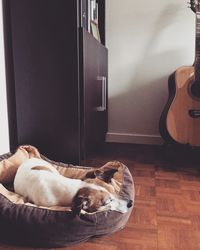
x=167, y=205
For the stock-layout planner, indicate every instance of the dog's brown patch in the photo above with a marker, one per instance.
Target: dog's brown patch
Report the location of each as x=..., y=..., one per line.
x=89, y=200
x=42, y=168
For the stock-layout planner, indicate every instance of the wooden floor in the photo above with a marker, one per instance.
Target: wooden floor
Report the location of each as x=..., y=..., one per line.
x=167, y=204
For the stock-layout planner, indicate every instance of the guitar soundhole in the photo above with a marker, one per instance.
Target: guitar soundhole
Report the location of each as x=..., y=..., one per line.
x=195, y=90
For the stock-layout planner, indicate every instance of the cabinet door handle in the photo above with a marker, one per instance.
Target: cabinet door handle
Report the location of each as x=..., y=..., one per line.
x=103, y=93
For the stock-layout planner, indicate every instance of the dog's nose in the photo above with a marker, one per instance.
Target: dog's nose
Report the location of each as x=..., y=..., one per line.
x=130, y=204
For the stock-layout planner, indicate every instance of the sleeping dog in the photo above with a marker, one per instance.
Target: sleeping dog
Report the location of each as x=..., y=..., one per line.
x=39, y=182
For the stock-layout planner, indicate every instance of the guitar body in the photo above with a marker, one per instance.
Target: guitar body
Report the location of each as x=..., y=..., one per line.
x=180, y=120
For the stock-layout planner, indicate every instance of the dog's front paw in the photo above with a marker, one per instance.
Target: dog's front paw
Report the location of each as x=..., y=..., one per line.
x=32, y=151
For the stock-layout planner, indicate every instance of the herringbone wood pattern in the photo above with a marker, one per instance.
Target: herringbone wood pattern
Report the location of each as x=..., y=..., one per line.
x=167, y=206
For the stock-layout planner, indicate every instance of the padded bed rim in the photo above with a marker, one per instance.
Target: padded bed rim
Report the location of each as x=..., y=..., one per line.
x=40, y=227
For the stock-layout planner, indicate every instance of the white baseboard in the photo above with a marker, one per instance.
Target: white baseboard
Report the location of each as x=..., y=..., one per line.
x=134, y=138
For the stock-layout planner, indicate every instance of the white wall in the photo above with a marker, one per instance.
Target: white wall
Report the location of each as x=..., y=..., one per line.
x=4, y=138
x=147, y=41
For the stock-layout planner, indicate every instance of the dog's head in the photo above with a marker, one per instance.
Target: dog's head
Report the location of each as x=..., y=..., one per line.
x=90, y=200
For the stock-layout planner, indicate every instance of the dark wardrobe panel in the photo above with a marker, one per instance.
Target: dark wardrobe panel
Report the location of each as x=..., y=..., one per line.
x=45, y=76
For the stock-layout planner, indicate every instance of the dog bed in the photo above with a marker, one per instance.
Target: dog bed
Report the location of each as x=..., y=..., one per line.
x=27, y=224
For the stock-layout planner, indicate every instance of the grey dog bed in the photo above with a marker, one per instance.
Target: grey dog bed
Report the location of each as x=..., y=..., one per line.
x=26, y=224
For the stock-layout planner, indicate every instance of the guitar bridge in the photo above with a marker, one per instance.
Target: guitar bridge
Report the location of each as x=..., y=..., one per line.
x=194, y=113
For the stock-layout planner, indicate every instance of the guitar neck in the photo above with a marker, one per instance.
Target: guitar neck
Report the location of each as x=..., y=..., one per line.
x=197, y=47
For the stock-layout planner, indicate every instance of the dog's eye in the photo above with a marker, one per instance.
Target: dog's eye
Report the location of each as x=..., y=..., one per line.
x=107, y=201
x=85, y=205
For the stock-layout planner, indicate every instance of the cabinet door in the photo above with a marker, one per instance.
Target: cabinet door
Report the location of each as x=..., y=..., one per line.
x=95, y=94
x=44, y=64
x=101, y=116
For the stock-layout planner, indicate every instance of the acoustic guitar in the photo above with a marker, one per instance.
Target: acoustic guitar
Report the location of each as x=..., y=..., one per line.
x=180, y=119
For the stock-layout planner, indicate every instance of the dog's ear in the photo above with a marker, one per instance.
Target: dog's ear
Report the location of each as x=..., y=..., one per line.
x=81, y=201
x=90, y=175
x=106, y=175
x=77, y=205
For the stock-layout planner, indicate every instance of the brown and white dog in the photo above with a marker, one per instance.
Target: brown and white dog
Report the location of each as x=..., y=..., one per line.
x=39, y=182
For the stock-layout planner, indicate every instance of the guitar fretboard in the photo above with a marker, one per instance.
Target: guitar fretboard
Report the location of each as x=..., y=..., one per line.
x=197, y=48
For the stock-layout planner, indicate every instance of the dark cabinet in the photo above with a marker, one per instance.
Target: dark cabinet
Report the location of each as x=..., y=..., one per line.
x=95, y=92
x=56, y=79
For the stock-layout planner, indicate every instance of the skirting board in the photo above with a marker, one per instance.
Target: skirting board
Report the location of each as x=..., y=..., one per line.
x=134, y=138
